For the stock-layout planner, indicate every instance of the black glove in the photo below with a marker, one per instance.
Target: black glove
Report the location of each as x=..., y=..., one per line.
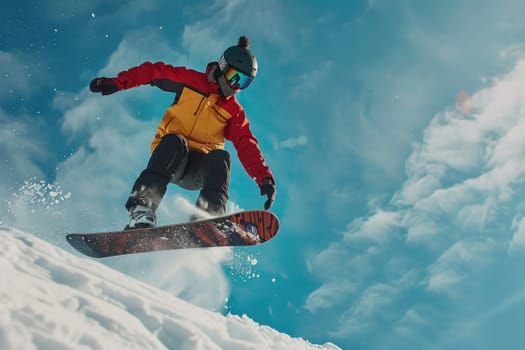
x=106, y=86
x=267, y=187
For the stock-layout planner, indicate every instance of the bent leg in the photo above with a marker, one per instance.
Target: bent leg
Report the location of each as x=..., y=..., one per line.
x=150, y=186
x=216, y=179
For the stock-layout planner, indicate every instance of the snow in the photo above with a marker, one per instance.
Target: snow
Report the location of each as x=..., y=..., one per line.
x=53, y=299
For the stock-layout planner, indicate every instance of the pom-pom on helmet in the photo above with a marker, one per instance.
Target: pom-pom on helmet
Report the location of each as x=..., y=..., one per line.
x=238, y=66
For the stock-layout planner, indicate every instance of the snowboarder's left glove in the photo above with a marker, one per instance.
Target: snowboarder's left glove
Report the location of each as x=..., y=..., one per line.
x=106, y=86
x=267, y=187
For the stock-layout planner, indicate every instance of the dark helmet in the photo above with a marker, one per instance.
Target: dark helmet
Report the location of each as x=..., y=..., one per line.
x=240, y=58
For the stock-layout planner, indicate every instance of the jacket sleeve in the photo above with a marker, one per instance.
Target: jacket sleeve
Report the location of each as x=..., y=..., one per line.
x=146, y=73
x=239, y=133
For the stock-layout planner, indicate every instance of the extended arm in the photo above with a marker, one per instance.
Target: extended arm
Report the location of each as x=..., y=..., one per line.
x=146, y=73
x=238, y=131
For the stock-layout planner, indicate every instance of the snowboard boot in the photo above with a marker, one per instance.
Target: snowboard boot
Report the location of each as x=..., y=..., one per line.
x=141, y=217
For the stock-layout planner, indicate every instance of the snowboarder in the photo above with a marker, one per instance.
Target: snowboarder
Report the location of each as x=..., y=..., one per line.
x=188, y=148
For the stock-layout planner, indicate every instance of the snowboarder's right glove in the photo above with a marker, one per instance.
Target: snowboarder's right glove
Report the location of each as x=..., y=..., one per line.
x=106, y=86
x=267, y=187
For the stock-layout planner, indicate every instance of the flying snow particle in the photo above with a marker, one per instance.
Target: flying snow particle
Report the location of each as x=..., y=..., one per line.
x=252, y=261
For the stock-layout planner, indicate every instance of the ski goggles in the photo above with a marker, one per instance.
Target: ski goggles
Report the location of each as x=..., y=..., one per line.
x=236, y=79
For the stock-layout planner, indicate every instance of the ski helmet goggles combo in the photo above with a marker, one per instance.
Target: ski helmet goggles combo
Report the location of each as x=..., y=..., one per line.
x=236, y=79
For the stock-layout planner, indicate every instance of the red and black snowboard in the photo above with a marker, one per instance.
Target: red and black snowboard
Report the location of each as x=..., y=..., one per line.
x=239, y=229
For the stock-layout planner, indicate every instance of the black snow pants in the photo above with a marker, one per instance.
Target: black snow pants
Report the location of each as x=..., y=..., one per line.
x=172, y=161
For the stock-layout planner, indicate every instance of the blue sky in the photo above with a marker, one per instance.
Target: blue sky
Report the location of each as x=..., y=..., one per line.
x=403, y=219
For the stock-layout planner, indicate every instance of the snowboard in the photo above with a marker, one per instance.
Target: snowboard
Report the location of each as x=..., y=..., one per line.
x=239, y=229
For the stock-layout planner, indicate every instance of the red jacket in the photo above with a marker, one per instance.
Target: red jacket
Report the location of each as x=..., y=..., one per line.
x=200, y=113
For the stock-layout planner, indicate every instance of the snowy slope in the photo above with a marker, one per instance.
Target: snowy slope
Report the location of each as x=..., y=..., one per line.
x=52, y=299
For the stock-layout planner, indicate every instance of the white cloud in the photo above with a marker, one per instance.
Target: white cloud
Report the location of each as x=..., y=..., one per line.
x=140, y=45
x=379, y=228
x=293, y=142
x=458, y=261
x=518, y=239
x=261, y=22
x=513, y=52
x=21, y=151
x=410, y=324
x=20, y=146
x=373, y=299
x=368, y=312
x=447, y=231
x=310, y=83
x=19, y=76
x=328, y=294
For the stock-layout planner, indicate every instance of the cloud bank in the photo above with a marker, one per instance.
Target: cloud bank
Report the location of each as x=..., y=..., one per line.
x=445, y=237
